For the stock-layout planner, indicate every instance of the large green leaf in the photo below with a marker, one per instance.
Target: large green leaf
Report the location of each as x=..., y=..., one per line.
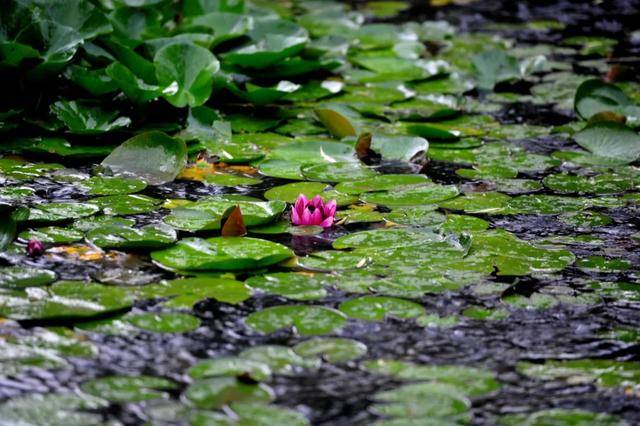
x=307, y=320
x=610, y=140
x=86, y=120
x=225, y=254
x=186, y=71
x=273, y=40
x=595, y=96
x=64, y=300
x=152, y=156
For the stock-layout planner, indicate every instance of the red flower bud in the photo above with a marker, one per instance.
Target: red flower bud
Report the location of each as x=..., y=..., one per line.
x=35, y=248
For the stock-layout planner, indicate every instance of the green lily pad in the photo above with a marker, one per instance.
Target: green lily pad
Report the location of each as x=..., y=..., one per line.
x=494, y=66
x=52, y=234
x=16, y=277
x=602, y=264
x=216, y=392
x=333, y=349
x=595, y=96
x=290, y=192
x=128, y=388
x=268, y=414
x=86, y=120
x=336, y=122
x=398, y=148
x=293, y=286
x=117, y=236
x=337, y=172
x=281, y=359
x=185, y=292
x=412, y=195
x=273, y=40
x=126, y=204
x=384, y=182
x=63, y=300
x=561, y=417
x=60, y=212
x=444, y=404
x=386, y=238
x=164, y=322
x=113, y=185
x=467, y=380
x=603, y=373
x=233, y=367
x=307, y=320
x=225, y=254
x=206, y=214
x=186, y=70
x=610, y=140
x=152, y=156
x=376, y=308
x=89, y=223
x=53, y=409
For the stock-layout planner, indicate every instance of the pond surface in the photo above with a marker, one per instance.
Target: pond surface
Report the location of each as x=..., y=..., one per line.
x=482, y=267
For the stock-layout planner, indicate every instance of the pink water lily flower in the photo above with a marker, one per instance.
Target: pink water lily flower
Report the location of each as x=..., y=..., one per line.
x=313, y=212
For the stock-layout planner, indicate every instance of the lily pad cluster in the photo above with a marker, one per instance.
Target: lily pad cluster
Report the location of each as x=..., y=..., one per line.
x=135, y=131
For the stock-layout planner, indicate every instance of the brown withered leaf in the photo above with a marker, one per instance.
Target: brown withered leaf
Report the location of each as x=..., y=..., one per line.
x=363, y=146
x=233, y=223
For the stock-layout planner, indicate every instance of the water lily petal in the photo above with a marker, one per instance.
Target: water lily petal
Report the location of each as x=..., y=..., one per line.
x=317, y=202
x=305, y=219
x=327, y=223
x=330, y=209
x=316, y=217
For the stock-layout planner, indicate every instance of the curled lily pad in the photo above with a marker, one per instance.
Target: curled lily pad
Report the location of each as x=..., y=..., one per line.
x=595, y=96
x=226, y=254
x=338, y=124
x=399, y=148
x=307, y=320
